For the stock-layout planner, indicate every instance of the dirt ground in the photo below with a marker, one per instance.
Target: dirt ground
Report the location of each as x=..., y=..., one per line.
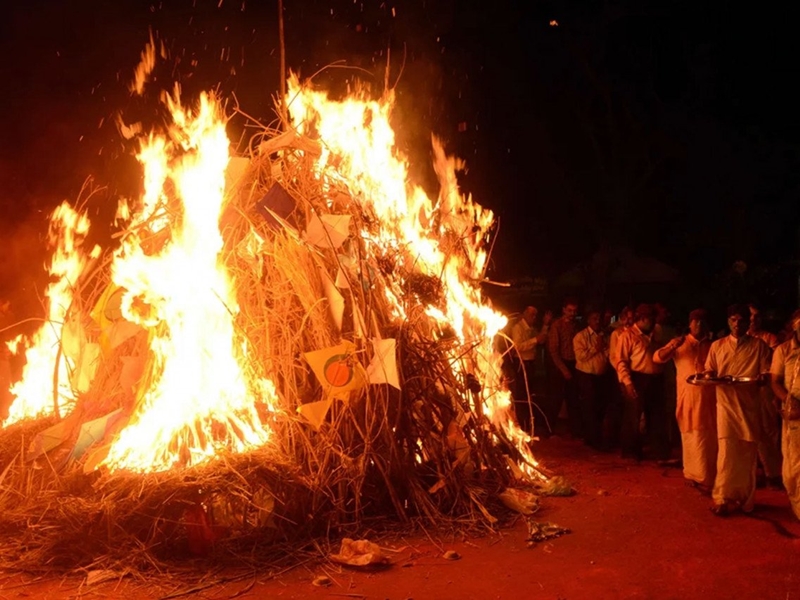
x=636, y=532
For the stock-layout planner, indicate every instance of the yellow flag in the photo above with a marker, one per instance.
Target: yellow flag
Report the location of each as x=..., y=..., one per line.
x=337, y=369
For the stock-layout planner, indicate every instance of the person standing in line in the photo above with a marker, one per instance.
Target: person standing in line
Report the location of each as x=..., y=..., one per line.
x=738, y=412
x=526, y=338
x=562, y=366
x=769, y=445
x=696, y=405
x=786, y=386
x=642, y=388
x=591, y=368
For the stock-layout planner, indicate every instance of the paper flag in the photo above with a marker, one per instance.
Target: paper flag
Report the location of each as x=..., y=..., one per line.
x=50, y=438
x=234, y=172
x=341, y=280
x=131, y=372
x=315, y=412
x=82, y=375
x=276, y=206
x=117, y=333
x=93, y=431
x=95, y=457
x=337, y=369
x=383, y=366
x=328, y=231
x=335, y=300
x=73, y=338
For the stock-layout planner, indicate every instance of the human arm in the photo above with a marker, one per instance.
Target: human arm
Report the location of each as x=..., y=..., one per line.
x=665, y=353
x=623, y=363
x=518, y=337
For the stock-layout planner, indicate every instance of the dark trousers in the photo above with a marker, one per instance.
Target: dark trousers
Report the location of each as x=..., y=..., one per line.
x=563, y=390
x=650, y=403
x=594, y=393
x=529, y=398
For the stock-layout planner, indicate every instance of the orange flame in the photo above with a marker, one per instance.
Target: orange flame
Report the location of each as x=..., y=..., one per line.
x=444, y=238
x=195, y=399
x=45, y=385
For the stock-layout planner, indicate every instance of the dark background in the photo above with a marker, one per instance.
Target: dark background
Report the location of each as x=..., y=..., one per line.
x=667, y=128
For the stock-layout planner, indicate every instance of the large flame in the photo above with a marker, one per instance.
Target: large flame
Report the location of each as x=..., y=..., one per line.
x=443, y=238
x=194, y=397
x=45, y=385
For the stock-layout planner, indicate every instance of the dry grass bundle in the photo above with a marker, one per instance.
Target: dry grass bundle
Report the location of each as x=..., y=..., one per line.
x=426, y=452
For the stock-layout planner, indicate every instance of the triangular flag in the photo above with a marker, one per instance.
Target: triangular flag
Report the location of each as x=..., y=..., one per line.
x=131, y=372
x=73, y=337
x=383, y=366
x=341, y=280
x=328, y=231
x=315, y=412
x=234, y=172
x=337, y=369
x=50, y=438
x=82, y=375
x=335, y=300
x=92, y=432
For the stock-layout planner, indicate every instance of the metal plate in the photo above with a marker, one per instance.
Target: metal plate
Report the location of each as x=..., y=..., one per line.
x=700, y=379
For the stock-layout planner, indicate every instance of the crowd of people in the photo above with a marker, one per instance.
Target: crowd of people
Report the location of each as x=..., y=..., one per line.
x=632, y=383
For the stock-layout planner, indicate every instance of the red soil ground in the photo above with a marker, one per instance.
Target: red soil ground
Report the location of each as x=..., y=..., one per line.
x=637, y=532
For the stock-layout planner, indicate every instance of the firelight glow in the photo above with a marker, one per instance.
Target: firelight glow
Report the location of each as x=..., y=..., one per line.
x=195, y=399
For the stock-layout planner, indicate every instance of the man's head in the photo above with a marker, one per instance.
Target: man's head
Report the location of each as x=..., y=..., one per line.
x=698, y=323
x=569, y=309
x=645, y=317
x=594, y=320
x=605, y=320
x=626, y=316
x=738, y=319
x=529, y=314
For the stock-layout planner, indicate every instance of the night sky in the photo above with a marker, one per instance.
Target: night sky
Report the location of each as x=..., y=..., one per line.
x=667, y=127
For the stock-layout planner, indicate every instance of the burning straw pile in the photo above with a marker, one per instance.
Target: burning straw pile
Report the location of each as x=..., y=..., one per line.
x=277, y=346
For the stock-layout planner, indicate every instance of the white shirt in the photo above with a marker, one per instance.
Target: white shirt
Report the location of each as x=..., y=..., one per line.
x=786, y=364
x=588, y=359
x=524, y=338
x=738, y=405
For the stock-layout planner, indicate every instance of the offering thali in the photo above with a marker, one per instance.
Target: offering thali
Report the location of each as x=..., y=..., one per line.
x=702, y=379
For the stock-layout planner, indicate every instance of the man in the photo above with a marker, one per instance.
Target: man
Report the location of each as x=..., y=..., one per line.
x=615, y=409
x=561, y=366
x=526, y=338
x=642, y=388
x=696, y=407
x=591, y=366
x=625, y=322
x=738, y=412
x=769, y=445
x=786, y=386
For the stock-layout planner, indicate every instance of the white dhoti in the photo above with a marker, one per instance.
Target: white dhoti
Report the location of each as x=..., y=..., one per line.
x=736, y=473
x=791, y=463
x=700, y=456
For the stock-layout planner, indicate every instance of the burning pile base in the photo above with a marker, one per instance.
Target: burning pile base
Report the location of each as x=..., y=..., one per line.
x=373, y=388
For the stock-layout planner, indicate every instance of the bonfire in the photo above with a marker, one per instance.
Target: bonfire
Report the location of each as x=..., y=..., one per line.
x=279, y=345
